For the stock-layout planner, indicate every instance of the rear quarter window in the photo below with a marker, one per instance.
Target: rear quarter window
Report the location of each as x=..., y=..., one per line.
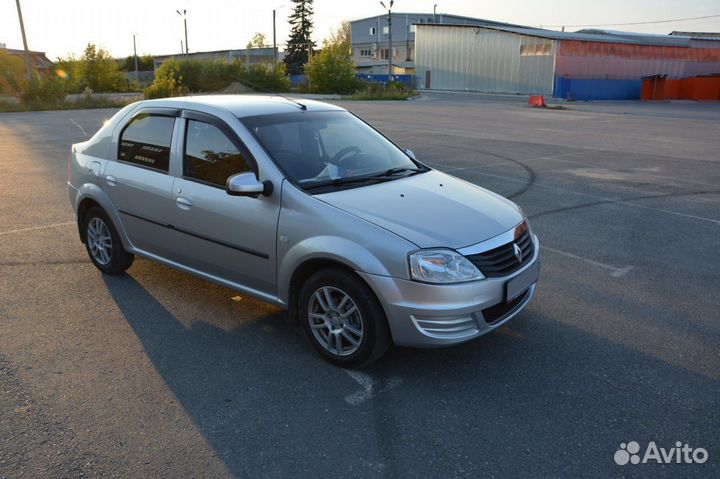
x=145, y=141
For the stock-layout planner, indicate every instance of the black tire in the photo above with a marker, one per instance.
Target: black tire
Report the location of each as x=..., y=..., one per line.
x=118, y=260
x=375, y=339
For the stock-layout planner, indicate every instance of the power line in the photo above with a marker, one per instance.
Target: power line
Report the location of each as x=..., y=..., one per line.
x=635, y=23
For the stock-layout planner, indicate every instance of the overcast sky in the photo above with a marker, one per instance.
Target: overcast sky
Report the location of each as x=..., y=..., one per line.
x=61, y=27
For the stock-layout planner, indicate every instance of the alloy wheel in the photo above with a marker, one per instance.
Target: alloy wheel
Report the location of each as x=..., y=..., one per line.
x=335, y=321
x=99, y=241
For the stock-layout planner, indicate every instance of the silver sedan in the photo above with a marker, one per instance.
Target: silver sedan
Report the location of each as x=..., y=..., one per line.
x=303, y=205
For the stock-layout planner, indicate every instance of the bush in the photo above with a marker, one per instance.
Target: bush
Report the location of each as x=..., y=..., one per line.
x=180, y=77
x=99, y=71
x=263, y=77
x=167, y=82
x=380, y=91
x=47, y=89
x=332, y=70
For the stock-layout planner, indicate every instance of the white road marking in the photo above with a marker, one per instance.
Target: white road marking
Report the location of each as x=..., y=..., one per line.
x=601, y=198
x=370, y=387
x=614, y=271
x=505, y=162
x=80, y=126
x=35, y=228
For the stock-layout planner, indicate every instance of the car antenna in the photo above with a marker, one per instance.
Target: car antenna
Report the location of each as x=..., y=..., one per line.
x=266, y=90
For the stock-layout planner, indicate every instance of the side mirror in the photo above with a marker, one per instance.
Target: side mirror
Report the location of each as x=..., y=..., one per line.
x=410, y=153
x=246, y=184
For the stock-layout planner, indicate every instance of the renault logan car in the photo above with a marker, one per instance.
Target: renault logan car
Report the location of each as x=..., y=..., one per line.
x=304, y=205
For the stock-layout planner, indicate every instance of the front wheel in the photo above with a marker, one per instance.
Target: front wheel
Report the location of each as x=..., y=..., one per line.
x=103, y=243
x=343, y=319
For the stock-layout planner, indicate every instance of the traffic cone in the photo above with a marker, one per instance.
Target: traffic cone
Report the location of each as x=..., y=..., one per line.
x=537, y=101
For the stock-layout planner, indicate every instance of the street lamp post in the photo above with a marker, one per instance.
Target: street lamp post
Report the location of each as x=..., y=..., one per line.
x=390, y=47
x=275, y=49
x=183, y=14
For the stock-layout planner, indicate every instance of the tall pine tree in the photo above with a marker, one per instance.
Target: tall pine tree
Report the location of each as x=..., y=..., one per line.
x=299, y=43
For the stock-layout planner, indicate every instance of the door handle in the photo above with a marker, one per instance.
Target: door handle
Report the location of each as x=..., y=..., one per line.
x=183, y=203
x=111, y=180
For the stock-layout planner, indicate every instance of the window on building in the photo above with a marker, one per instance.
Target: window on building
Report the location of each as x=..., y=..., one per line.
x=146, y=142
x=210, y=156
x=386, y=30
x=373, y=30
x=413, y=27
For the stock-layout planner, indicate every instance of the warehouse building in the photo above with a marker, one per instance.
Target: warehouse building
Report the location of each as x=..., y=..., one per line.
x=584, y=65
x=370, y=39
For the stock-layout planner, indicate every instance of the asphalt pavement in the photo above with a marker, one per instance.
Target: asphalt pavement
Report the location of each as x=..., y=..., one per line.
x=158, y=374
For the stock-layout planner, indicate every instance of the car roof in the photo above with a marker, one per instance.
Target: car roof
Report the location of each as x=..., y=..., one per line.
x=246, y=105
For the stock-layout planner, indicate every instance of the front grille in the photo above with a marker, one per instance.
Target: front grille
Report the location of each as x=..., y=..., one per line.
x=499, y=311
x=502, y=261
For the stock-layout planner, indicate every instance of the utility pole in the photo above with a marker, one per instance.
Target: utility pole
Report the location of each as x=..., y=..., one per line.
x=390, y=47
x=28, y=61
x=274, y=43
x=182, y=48
x=184, y=15
x=137, y=74
x=434, y=13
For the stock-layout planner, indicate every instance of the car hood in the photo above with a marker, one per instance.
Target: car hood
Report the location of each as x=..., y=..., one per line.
x=432, y=209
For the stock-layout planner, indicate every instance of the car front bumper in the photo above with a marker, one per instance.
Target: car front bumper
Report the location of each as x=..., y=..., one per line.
x=432, y=315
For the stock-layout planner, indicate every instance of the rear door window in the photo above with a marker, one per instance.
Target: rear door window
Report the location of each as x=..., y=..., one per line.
x=145, y=141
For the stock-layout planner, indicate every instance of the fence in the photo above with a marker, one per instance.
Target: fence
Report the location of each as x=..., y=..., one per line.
x=407, y=80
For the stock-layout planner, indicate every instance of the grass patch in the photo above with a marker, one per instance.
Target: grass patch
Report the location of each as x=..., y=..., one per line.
x=83, y=103
x=377, y=91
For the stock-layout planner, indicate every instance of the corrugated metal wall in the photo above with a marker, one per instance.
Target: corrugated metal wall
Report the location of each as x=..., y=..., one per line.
x=615, y=61
x=479, y=59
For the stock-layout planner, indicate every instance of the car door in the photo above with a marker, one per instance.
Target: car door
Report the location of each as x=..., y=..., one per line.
x=139, y=182
x=231, y=237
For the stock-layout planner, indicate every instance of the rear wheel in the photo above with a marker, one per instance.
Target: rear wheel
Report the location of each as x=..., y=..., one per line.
x=343, y=319
x=103, y=243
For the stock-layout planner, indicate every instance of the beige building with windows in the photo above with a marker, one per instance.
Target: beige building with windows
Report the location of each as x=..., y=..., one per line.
x=370, y=40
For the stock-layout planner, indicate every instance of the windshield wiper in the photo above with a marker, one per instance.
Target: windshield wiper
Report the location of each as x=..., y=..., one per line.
x=346, y=181
x=395, y=171
x=382, y=176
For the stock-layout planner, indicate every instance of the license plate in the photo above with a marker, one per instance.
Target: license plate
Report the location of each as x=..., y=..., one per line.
x=521, y=282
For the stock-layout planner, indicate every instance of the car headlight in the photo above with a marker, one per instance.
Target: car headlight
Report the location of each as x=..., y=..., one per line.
x=442, y=266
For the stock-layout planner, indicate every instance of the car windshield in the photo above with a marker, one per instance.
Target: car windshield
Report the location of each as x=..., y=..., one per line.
x=332, y=148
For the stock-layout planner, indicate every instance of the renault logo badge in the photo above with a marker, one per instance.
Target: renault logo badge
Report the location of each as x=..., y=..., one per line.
x=518, y=252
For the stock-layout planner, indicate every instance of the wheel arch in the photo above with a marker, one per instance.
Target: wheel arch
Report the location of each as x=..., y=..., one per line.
x=90, y=195
x=304, y=271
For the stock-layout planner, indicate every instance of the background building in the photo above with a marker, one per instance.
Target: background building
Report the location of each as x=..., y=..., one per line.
x=589, y=64
x=370, y=38
x=40, y=62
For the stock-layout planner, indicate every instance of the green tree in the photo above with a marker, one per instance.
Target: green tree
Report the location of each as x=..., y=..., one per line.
x=299, y=44
x=258, y=40
x=332, y=70
x=145, y=63
x=99, y=71
x=12, y=73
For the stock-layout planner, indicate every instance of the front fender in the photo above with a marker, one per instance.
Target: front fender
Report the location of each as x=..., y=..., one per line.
x=331, y=248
